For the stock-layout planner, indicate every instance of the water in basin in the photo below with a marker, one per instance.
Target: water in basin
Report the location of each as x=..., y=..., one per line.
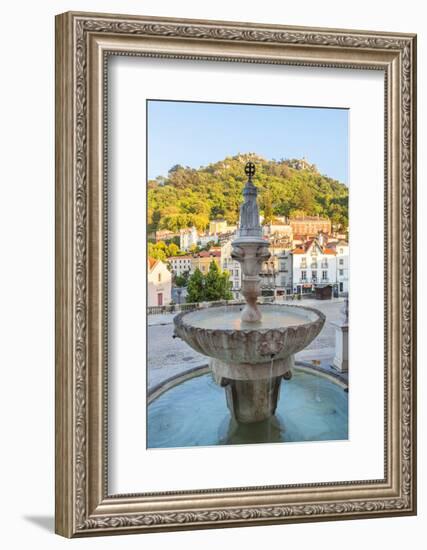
x=230, y=318
x=194, y=413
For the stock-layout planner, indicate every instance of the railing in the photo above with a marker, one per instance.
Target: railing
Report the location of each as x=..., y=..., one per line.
x=176, y=308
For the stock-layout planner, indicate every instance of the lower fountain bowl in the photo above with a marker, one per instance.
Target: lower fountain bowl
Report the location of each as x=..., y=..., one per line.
x=194, y=413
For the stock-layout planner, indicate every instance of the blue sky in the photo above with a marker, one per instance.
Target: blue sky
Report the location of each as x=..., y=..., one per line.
x=196, y=134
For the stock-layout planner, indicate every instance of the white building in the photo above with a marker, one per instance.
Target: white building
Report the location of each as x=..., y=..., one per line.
x=187, y=238
x=216, y=227
x=342, y=254
x=180, y=264
x=278, y=229
x=159, y=283
x=233, y=268
x=313, y=265
x=204, y=240
x=284, y=278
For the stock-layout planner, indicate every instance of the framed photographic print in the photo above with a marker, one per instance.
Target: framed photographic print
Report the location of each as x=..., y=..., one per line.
x=235, y=274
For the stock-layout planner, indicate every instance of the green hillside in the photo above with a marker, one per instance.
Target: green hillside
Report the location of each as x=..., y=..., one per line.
x=286, y=188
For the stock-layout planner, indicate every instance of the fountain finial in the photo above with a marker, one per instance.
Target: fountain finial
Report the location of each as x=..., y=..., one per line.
x=250, y=228
x=250, y=170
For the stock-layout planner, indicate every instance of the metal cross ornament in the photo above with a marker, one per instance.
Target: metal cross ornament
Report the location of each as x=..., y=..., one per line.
x=250, y=170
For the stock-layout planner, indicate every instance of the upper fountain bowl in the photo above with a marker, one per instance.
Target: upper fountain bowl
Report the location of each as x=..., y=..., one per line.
x=220, y=333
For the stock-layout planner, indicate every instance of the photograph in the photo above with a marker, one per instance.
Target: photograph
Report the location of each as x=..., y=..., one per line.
x=248, y=258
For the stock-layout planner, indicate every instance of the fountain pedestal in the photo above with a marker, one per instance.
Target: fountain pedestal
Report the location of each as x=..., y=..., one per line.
x=250, y=252
x=252, y=390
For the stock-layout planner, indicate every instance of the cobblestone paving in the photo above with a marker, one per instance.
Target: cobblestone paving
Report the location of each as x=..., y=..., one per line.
x=168, y=356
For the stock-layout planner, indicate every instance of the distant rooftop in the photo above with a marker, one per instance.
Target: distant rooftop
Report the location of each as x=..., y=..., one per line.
x=308, y=219
x=153, y=262
x=305, y=246
x=208, y=254
x=183, y=257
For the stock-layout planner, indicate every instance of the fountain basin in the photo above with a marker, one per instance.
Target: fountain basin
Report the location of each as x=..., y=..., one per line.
x=220, y=333
x=194, y=413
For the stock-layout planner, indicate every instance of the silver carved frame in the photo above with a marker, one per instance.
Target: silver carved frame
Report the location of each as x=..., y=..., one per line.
x=83, y=43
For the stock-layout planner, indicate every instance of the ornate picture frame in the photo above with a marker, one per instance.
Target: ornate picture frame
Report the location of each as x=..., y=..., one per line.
x=84, y=42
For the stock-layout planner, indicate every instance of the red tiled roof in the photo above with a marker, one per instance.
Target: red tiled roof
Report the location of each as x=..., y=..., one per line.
x=208, y=254
x=151, y=263
x=308, y=219
x=303, y=249
x=179, y=258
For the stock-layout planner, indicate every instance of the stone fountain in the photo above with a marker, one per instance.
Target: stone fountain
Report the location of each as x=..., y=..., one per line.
x=251, y=348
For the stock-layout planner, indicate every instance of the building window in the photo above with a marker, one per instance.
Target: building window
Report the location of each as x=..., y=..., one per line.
x=341, y=250
x=341, y=287
x=303, y=275
x=324, y=275
x=341, y=272
x=341, y=261
x=159, y=277
x=314, y=275
x=160, y=299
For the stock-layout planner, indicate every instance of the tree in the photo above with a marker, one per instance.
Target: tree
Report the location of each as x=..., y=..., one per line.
x=267, y=205
x=188, y=197
x=217, y=284
x=306, y=199
x=217, y=212
x=175, y=168
x=173, y=249
x=297, y=213
x=182, y=280
x=195, y=287
x=198, y=221
x=157, y=252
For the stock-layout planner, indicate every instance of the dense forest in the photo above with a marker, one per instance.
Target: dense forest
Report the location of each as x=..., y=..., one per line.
x=287, y=187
